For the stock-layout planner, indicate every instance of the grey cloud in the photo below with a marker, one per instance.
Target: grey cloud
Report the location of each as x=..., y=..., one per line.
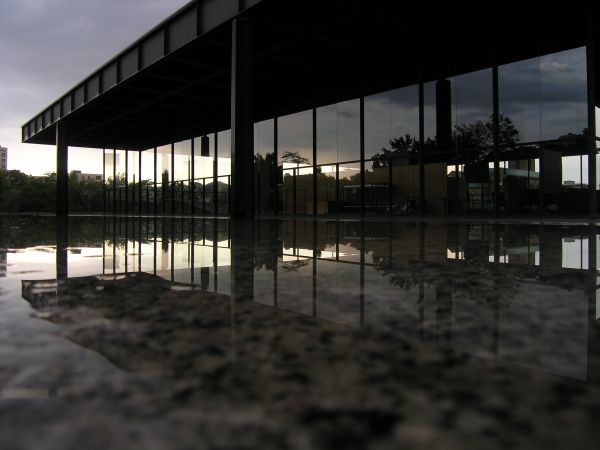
x=46, y=47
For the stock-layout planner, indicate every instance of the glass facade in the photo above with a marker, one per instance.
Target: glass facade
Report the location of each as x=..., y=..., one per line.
x=434, y=147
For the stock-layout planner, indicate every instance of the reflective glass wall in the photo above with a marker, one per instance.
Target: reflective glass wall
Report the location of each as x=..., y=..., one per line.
x=507, y=139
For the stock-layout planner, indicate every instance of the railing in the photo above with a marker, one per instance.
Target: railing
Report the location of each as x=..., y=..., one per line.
x=184, y=197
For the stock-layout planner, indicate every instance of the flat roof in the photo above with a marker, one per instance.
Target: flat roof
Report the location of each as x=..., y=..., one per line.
x=182, y=28
x=174, y=82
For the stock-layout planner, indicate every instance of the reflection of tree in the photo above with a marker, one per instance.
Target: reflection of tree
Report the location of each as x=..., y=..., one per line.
x=474, y=140
x=294, y=158
x=25, y=193
x=294, y=266
x=484, y=285
x=403, y=146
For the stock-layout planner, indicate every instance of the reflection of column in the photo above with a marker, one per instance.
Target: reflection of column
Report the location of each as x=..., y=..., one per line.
x=62, y=170
x=314, y=261
x=362, y=274
x=62, y=239
x=242, y=261
x=62, y=255
x=550, y=252
x=443, y=313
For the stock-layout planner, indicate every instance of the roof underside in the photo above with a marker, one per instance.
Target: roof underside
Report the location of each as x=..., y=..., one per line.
x=306, y=54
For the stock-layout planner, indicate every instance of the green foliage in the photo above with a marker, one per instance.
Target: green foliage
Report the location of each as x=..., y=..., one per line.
x=21, y=193
x=474, y=139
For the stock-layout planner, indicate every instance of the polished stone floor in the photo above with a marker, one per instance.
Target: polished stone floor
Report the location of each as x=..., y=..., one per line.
x=205, y=333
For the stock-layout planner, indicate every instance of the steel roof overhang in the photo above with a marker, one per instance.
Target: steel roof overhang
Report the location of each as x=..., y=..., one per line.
x=133, y=99
x=306, y=54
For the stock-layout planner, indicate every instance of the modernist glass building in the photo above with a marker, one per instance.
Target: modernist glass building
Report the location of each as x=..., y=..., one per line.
x=268, y=108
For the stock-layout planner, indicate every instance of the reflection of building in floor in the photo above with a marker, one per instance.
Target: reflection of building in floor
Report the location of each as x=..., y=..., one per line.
x=3, y=265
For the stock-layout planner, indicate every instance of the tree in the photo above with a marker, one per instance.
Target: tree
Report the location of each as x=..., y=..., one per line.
x=295, y=158
x=474, y=140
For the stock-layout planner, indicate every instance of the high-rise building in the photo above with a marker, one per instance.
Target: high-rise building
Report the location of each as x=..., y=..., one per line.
x=3, y=158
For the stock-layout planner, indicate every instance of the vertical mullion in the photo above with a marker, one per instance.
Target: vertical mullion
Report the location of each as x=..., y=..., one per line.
x=591, y=91
x=114, y=182
x=314, y=157
x=140, y=182
x=104, y=182
x=496, y=124
x=172, y=179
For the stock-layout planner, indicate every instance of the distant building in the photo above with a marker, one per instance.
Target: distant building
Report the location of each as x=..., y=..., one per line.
x=3, y=158
x=86, y=176
x=3, y=265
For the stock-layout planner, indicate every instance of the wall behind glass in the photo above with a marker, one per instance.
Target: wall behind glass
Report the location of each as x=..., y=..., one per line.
x=163, y=170
x=295, y=156
x=133, y=180
x=391, y=151
x=183, y=160
x=147, y=180
x=121, y=180
x=204, y=164
x=543, y=104
x=472, y=139
x=265, y=166
x=109, y=179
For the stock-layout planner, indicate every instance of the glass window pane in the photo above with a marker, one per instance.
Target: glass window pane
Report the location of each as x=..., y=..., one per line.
x=520, y=128
x=348, y=131
x=204, y=152
x=295, y=139
x=264, y=166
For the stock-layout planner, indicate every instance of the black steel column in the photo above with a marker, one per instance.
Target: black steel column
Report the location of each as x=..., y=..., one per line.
x=62, y=170
x=172, y=179
x=104, y=181
x=114, y=182
x=242, y=128
x=154, y=189
x=276, y=166
x=421, y=150
x=126, y=182
x=591, y=88
x=62, y=205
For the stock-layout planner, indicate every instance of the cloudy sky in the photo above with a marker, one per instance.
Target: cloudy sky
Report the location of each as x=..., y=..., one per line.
x=46, y=47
